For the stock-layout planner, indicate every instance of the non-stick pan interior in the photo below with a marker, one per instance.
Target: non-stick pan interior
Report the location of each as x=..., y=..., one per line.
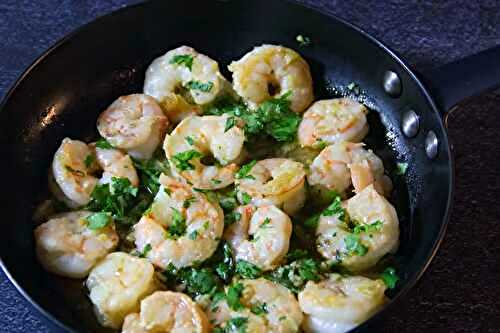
x=62, y=95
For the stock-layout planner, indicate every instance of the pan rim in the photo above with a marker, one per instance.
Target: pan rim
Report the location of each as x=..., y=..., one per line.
x=431, y=253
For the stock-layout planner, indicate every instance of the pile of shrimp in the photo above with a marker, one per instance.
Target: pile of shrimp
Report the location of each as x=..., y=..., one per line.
x=183, y=226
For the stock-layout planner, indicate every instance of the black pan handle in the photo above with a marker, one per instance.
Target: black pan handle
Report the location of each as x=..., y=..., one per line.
x=464, y=78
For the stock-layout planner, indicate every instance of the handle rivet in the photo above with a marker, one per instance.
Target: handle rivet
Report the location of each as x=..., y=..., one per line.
x=392, y=84
x=410, y=123
x=431, y=145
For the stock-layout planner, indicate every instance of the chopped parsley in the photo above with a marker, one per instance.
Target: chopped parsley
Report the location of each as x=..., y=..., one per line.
x=230, y=123
x=150, y=171
x=225, y=267
x=390, y=277
x=245, y=198
x=98, y=220
x=243, y=172
x=230, y=218
x=89, y=160
x=303, y=40
x=187, y=203
x=178, y=226
x=189, y=140
x=368, y=228
x=233, y=295
x=182, y=59
x=248, y=270
x=193, y=235
x=295, y=274
x=335, y=208
x=354, y=246
x=265, y=224
x=181, y=160
x=197, y=85
x=199, y=281
x=215, y=181
x=401, y=168
x=103, y=143
x=259, y=308
x=145, y=251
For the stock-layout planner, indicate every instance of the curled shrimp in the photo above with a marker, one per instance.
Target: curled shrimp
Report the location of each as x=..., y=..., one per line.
x=66, y=246
x=267, y=306
x=338, y=304
x=275, y=181
x=116, y=286
x=278, y=67
x=333, y=120
x=345, y=163
x=197, y=137
x=167, y=311
x=270, y=230
x=72, y=180
x=192, y=223
x=182, y=80
x=134, y=123
x=375, y=232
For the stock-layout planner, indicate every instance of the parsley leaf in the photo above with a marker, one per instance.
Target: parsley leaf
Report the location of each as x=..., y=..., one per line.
x=150, y=171
x=312, y=222
x=98, y=220
x=259, y=308
x=295, y=274
x=178, y=225
x=353, y=245
x=245, y=198
x=182, y=59
x=89, y=160
x=189, y=140
x=232, y=217
x=248, y=270
x=233, y=295
x=145, y=251
x=103, y=143
x=181, y=160
x=197, y=85
x=193, y=235
x=243, y=172
x=335, y=208
x=390, y=277
x=368, y=228
x=225, y=268
x=279, y=121
x=230, y=123
x=199, y=281
x=187, y=203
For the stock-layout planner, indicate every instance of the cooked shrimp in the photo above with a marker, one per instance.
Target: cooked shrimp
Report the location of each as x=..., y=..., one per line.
x=134, y=123
x=67, y=247
x=196, y=137
x=269, y=307
x=275, y=181
x=167, y=312
x=333, y=120
x=115, y=164
x=116, y=286
x=181, y=80
x=345, y=163
x=71, y=174
x=377, y=232
x=192, y=223
x=338, y=304
x=270, y=230
x=278, y=67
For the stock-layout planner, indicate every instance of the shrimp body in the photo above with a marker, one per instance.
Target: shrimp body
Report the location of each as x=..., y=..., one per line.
x=276, y=66
x=73, y=182
x=66, y=246
x=115, y=164
x=281, y=312
x=167, y=312
x=135, y=123
x=345, y=163
x=338, y=304
x=181, y=80
x=183, y=227
x=380, y=235
x=205, y=136
x=333, y=120
x=116, y=286
x=275, y=181
x=271, y=230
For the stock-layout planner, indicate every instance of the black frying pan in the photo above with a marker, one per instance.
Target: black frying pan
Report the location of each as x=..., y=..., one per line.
x=63, y=92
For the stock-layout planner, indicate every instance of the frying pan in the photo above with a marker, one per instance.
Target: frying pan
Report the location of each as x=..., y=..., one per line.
x=63, y=92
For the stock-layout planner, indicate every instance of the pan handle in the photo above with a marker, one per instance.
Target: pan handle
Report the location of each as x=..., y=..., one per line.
x=464, y=78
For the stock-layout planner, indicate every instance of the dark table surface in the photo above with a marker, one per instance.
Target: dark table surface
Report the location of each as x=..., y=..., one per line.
x=460, y=292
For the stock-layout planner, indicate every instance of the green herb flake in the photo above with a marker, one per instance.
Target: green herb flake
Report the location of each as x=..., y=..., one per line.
x=248, y=270
x=265, y=224
x=368, y=228
x=233, y=295
x=178, y=226
x=145, y=251
x=230, y=123
x=181, y=160
x=215, y=181
x=98, y=220
x=335, y=208
x=200, y=86
x=312, y=222
x=390, y=277
x=353, y=245
x=243, y=172
x=401, y=168
x=187, y=203
x=189, y=140
x=231, y=218
x=259, y=309
x=89, y=160
x=193, y=235
x=182, y=59
x=245, y=198
x=303, y=40
x=103, y=143
x=234, y=325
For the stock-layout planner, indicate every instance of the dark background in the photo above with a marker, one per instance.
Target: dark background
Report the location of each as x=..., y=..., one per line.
x=461, y=290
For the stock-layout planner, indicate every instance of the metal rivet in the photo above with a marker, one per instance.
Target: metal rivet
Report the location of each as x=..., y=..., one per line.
x=410, y=123
x=431, y=145
x=392, y=84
